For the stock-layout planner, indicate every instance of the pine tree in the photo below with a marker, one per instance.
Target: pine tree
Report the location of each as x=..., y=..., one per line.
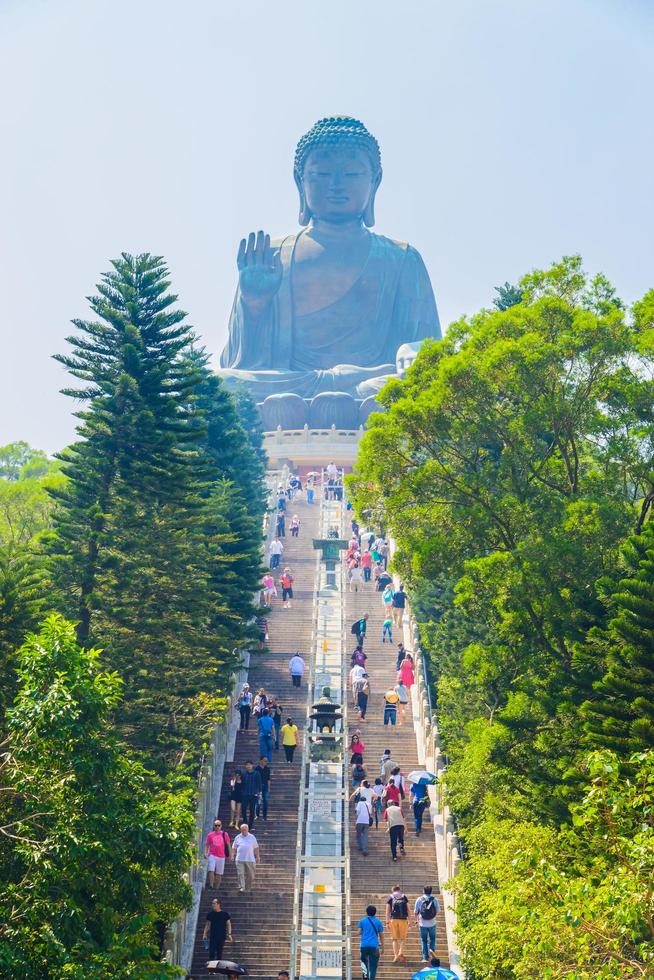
x=250, y=420
x=622, y=715
x=134, y=523
x=238, y=499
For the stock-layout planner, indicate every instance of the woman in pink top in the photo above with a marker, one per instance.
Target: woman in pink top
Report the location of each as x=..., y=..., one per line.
x=406, y=672
x=269, y=590
x=356, y=745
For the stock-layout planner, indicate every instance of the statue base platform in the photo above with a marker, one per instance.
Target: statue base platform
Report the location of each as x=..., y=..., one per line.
x=317, y=447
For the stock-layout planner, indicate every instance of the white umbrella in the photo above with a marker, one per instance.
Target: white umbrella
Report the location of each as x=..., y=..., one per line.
x=421, y=776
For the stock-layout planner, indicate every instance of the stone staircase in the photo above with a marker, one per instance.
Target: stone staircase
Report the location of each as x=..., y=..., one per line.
x=373, y=877
x=261, y=919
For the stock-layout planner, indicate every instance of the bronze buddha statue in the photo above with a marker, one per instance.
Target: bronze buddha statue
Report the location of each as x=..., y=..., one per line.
x=319, y=316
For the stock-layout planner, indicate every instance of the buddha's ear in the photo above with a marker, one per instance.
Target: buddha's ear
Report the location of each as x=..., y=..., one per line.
x=369, y=212
x=305, y=214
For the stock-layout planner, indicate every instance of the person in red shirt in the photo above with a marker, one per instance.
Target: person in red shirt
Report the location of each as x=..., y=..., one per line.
x=392, y=793
x=286, y=582
x=216, y=848
x=366, y=564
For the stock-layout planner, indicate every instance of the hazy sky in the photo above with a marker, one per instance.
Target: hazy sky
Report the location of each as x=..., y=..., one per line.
x=512, y=132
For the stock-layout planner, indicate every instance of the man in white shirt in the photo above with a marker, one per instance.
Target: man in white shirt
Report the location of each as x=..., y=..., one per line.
x=426, y=909
x=276, y=552
x=296, y=667
x=356, y=674
x=332, y=471
x=245, y=852
x=362, y=826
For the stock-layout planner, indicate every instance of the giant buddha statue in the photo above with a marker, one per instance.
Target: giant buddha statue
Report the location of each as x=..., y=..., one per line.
x=319, y=316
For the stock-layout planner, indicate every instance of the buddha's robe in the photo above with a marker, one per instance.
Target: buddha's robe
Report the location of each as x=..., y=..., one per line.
x=349, y=343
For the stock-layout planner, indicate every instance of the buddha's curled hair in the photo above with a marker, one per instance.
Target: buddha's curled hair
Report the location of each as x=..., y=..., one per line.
x=337, y=131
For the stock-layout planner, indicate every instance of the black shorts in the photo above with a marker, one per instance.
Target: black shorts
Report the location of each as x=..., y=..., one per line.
x=287, y=594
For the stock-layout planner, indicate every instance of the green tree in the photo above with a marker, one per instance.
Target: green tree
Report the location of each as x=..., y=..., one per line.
x=500, y=466
x=620, y=716
x=576, y=903
x=251, y=421
x=16, y=455
x=25, y=519
x=91, y=859
x=136, y=524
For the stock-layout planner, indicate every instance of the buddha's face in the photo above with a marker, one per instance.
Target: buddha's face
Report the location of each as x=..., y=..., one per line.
x=406, y=355
x=338, y=183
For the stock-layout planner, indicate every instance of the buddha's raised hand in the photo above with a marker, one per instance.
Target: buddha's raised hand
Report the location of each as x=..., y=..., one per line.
x=259, y=269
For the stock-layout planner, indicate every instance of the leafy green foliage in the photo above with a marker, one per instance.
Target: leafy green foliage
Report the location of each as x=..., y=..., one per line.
x=91, y=858
x=25, y=518
x=510, y=465
x=18, y=460
x=577, y=903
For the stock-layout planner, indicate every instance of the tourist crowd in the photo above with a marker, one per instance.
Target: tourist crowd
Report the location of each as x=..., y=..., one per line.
x=382, y=795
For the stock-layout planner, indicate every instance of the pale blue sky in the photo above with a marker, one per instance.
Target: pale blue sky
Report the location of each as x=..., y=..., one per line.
x=512, y=132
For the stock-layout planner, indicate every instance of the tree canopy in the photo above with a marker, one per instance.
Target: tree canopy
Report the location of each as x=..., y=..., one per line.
x=510, y=466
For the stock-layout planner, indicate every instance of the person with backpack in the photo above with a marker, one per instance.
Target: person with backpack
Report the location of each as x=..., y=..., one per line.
x=372, y=942
x=217, y=847
x=426, y=909
x=397, y=919
x=359, y=628
x=363, y=693
x=399, y=602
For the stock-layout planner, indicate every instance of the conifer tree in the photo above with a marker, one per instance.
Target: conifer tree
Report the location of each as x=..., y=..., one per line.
x=134, y=524
x=621, y=717
x=238, y=500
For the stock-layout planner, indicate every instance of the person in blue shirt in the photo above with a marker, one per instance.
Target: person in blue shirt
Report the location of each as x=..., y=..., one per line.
x=266, y=735
x=420, y=801
x=372, y=942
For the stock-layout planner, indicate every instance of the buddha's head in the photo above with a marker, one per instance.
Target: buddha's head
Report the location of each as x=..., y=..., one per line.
x=406, y=355
x=337, y=171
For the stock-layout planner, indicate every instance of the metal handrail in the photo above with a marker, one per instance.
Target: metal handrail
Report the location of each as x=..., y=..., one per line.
x=347, y=890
